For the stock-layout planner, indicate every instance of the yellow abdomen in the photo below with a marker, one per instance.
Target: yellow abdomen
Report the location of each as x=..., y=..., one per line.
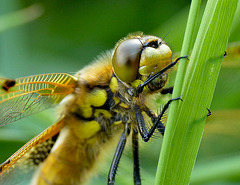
x=75, y=153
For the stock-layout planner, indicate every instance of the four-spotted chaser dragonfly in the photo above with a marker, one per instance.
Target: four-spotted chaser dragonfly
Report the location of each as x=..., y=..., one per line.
x=104, y=100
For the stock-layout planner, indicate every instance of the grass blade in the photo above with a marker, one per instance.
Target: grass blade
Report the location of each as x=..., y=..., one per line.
x=184, y=130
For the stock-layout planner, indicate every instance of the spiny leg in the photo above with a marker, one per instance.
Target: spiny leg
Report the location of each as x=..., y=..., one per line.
x=146, y=135
x=151, y=78
x=161, y=127
x=135, y=147
x=152, y=115
x=117, y=155
x=142, y=128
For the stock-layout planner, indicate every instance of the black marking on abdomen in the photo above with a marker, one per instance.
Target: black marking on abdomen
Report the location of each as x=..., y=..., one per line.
x=41, y=151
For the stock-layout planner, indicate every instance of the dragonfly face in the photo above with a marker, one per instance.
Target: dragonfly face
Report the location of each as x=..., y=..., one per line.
x=102, y=101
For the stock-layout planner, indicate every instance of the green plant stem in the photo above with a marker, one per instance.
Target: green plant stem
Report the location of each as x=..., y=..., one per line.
x=186, y=119
x=226, y=168
x=20, y=17
x=194, y=9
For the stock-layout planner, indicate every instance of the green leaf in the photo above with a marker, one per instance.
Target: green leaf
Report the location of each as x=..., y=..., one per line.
x=187, y=118
x=20, y=17
x=215, y=170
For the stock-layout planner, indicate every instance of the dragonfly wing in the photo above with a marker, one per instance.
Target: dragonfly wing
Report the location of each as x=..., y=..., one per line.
x=33, y=94
x=21, y=166
x=6, y=83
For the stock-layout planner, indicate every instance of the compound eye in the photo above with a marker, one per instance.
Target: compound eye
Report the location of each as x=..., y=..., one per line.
x=126, y=60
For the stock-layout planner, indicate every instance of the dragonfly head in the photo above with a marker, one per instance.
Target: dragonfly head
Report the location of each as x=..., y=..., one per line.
x=135, y=58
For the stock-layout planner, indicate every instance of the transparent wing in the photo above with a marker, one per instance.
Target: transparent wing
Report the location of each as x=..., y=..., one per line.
x=21, y=166
x=33, y=94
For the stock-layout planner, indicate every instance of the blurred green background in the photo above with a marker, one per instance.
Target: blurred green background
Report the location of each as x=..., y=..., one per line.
x=63, y=36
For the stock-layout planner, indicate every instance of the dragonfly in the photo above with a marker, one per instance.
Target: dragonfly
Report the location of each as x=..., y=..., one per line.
x=104, y=100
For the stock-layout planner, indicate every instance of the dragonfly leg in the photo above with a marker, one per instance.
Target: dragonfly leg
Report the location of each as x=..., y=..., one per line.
x=151, y=78
x=117, y=155
x=136, y=168
x=146, y=135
